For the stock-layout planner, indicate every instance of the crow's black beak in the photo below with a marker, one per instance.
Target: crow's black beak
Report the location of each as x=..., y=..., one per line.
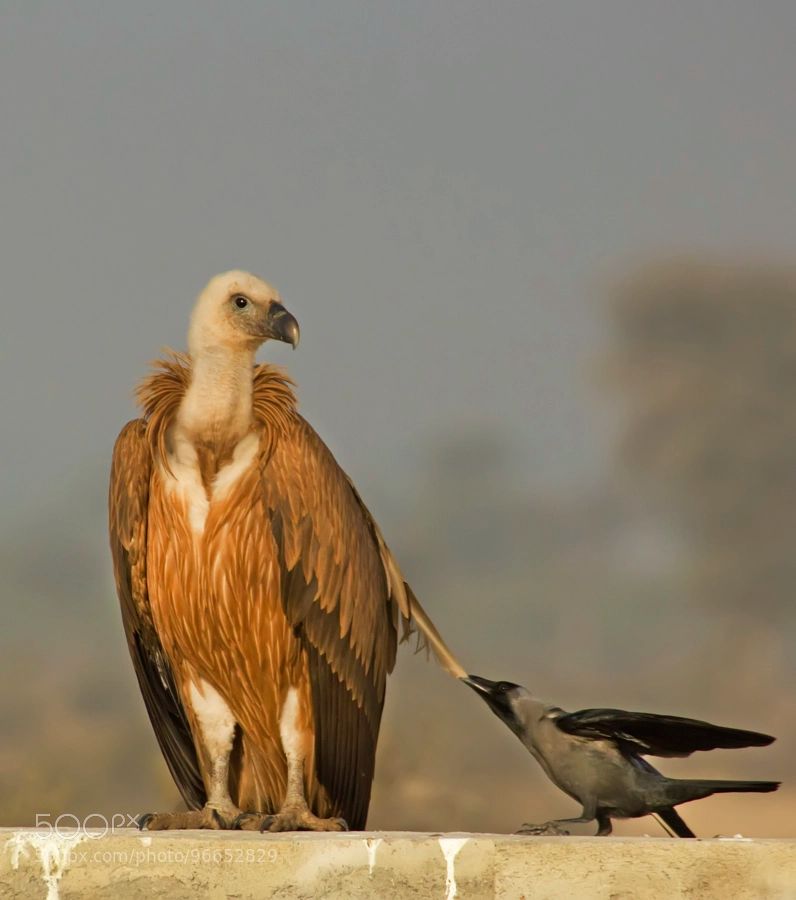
x=282, y=326
x=497, y=695
x=480, y=685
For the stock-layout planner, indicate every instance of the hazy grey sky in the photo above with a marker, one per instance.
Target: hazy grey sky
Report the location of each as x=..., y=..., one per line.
x=438, y=188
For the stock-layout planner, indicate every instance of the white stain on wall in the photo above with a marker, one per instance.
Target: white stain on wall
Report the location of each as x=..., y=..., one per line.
x=450, y=848
x=53, y=850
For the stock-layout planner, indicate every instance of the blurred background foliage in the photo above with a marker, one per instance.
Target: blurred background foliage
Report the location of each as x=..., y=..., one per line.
x=664, y=583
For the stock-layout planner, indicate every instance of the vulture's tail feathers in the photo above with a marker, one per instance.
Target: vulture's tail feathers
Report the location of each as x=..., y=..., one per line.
x=429, y=637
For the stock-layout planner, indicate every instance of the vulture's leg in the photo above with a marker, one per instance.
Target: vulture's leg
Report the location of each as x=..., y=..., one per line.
x=295, y=814
x=216, y=726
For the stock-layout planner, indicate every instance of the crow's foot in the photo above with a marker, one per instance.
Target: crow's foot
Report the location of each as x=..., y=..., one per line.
x=545, y=828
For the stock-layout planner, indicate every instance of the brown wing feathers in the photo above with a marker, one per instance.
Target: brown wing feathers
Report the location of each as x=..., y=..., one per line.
x=337, y=599
x=128, y=500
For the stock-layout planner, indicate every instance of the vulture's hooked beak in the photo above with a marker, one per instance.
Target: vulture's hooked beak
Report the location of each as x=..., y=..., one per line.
x=282, y=326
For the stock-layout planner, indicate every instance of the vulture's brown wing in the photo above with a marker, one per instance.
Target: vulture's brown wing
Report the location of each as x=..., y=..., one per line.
x=657, y=735
x=343, y=594
x=128, y=501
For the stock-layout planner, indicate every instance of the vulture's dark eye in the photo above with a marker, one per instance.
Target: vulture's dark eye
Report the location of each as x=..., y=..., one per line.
x=240, y=301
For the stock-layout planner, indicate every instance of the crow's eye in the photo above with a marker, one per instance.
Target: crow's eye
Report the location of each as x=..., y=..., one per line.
x=240, y=301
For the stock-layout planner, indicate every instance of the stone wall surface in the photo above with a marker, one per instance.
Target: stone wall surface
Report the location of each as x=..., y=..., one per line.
x=130, y=865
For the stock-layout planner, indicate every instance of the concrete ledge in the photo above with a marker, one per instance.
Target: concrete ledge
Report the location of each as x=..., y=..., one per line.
x=129, y=864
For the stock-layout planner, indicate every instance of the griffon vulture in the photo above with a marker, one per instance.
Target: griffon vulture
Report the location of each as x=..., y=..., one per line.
x=260, y=603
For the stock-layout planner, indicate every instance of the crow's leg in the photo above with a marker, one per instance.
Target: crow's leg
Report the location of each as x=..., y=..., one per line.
x=216, y=728
x=673, y=820
x=604, y=824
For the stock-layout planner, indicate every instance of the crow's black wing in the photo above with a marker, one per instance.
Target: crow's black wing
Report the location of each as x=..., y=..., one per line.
x=657, y=735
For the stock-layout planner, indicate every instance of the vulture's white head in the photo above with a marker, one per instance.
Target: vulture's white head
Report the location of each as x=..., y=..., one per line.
x=237, y=311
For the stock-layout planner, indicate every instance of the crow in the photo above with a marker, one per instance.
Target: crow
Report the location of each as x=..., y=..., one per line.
x=597, y=756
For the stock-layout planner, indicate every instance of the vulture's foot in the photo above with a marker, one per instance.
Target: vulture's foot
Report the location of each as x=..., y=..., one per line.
x=290, y=818
x=546, y=828
x=301, y=819
x=248, y=821
x=206, y=817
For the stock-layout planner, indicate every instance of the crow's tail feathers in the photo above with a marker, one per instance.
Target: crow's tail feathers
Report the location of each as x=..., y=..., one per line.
x=730, y=787
x=682, y=791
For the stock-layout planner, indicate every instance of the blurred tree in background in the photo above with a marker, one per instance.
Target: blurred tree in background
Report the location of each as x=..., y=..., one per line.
x=705, y=358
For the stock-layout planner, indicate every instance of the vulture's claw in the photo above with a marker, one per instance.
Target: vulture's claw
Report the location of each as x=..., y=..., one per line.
x=292, y=819
x=207, y=818
x=246, y=822
x=265, y=823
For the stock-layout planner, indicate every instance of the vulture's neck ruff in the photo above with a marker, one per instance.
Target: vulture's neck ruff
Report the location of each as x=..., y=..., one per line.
x=270, y=406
